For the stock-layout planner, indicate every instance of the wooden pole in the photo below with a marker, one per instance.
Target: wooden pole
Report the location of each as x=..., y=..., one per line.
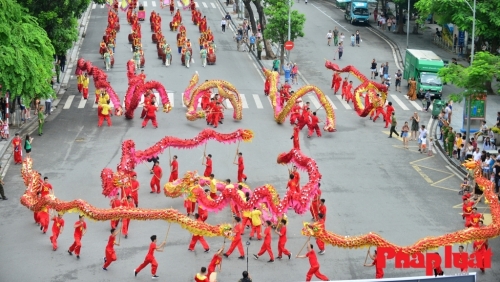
x=169, y=159
x=204, y=153
x=150, y=170
x=237, y=148
x=120, y=236
x=366, y=258
x=308, y=238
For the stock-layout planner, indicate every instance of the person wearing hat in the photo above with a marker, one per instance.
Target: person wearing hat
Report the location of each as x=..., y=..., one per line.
x=57, y=229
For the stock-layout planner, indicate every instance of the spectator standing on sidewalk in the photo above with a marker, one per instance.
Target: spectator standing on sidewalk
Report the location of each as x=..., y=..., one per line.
x=295, y=71
x=2, y=194
x=287, y=69
x=398, y=80
x=276, y=64
x=41, y=120
x=386, y=71
x=340, y=50
x=58, y=70
x=223, y=24
x=389, y=24
x=252, y=42
x=373, y=69
x=48, y=105
x=335, y=36
x=27, y=144
x=259, y=49
x=415, y=120
x=62, y=62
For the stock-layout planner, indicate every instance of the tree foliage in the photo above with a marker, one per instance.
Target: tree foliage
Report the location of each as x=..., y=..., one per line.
x=460, y=14
x=25, y=53
x=277, y=23
x=59, y=19
x=474, y=79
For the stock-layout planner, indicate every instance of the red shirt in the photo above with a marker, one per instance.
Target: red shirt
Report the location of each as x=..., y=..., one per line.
x=322, y=209
x=216, y=260
x=479, y=245
x=47, y=187
x=17, y=144
x=209, y=165
x=135, y=186
x=200, y=278
x=79, y=229
x=58, y=224
x=282, y=234
x=314, y=120
x=157, y=171
x=292, y=185
x=474, y=218
x=115, y=203
x=389, y=111
x=296, y=177
x=238, y=230
x=313, y=260
x=467, y=208
x=151, y=251
x=379, y=271
x=241, y=165
x=175, y=166
x=111, y=242
x=466, y=196
x=267, y=235
x=151, y=110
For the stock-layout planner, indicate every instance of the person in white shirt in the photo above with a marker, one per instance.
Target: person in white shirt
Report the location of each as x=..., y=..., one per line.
x=329, y=37
x=223, y=24
x=421, y=137
x=476, y=155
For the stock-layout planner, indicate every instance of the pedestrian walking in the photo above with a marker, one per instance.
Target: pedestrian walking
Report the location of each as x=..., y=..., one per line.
x=340, y=50
x=398, y=76
x=223, y=24
x=335, y=36
x=48, y=105
x=373, y=69
x=27, y=144
x=252, y=42
x=329, y=37
x=150, y=258
x=259, y=49
x=41, y=120
x=358, y=38
x=353, y=40
x=394, y=123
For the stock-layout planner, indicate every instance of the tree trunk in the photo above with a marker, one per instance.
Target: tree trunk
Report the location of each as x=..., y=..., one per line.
x=384, y=8
x=249, y=10
x=282, y=57
x=262, y=21
x=401, y=22
x=489, y=88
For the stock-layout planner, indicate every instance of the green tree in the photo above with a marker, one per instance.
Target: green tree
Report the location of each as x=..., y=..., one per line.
x=59, y=18
x=473, y=79
x=277, y=23
x=25, y=53
x=460, y=14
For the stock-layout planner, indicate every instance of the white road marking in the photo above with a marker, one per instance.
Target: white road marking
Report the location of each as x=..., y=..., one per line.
x=204, y=4
x=257, y=101
x=343, y=102
x=196, y=4
x=153, y=4
x=94, y=6
x=244, y=103
x=315, y=102
x=67, y=105
x=330, y=18
x=269, y=99
x=414, y=104
x=102, y=6
x=82, y=103
x=145, y=3
x=95, y=106
x=400, y=103
x=213, y=5
x=171, y=98
x=228, y=104
x=331, y=103
x=178, y=3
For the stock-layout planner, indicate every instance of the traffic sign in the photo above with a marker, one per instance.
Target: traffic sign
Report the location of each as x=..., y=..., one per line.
x=289, y=45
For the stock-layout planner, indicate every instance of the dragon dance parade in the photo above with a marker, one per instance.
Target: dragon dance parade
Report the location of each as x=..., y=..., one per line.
x=294, y=207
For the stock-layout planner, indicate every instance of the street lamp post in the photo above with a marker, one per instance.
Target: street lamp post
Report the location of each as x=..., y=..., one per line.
x=469, y=100
x=408, y=25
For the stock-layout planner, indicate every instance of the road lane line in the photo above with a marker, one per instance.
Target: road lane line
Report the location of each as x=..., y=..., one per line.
x=257, y=101
x=102, y=6
x=145, y=3
x=179, y=4
x=94, y=106
x=67, y=105
x=213, y=5
x=344, y=103
x=171, y=98
x=228, y=104
x=330, y=18
x=315, y=102
x=82, y=103
x=196, y=4
x=94, y=6
x=244, y=103
x=400, y=103
x=204, y=4
x=414, y=104
x=331, y=102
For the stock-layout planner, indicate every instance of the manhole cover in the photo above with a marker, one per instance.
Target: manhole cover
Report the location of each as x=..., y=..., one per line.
x=79, y=139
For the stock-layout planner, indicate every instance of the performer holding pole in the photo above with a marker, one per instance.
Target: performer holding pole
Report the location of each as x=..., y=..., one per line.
x=379, y=271
x=150, y=257
x=110, y=249
x=57, y=229
x=216, y=262
x=282, y=240
x=313, y=262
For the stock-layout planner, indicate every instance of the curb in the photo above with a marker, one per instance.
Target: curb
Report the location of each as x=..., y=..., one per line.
x=31, y=126
x=442, y=153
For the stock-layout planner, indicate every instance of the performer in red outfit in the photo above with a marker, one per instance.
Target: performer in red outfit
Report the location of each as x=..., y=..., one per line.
x=43, y=218
x=47, y=187
x=172, y=7
x=313, y=126
x=467, y=210
x=174, y=169
x=128, y=204
x=150, y=113
x=336, y=82
x=217, y=114
x=295, y=137
x=295, y=113
x=306, y=116
x=110, y=254
x=438, y=271
x=208, y=165
x=480, y=247
x=196, y=238
x=216, y=261
x=322, y=208
x=474, y=218
x=201, y=276
x=203, y=213
x=115, y=203
x=155, y=179
x=379, y=271
x=321, y=244
x=348, y=92
x=314, y=265
x=80, y=230
x=237, y=231
x=345, y=82
x=18, y=150
x=57, y=229
x=282, y=240
x=241, y=166
x=267, y=87
x=266, y=245
x=150, y=257
x=135, y=189
x=388, y=114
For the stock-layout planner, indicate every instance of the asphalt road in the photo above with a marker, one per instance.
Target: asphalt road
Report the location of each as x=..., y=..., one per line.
x=369, y=182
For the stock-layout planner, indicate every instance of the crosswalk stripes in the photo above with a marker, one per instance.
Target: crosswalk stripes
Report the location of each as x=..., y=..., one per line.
x=257, y=101
x=337, y=104
x=153, y=4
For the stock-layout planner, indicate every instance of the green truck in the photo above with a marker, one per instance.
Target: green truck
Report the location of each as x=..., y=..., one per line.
x=424, y=65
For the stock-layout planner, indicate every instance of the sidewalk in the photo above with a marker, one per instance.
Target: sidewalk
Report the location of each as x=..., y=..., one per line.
x=31, y=125
x=425, y=41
